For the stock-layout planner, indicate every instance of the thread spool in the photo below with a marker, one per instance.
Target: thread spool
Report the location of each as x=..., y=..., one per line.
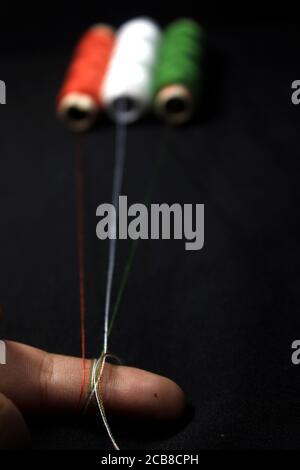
x=79, y=100
x=179, y=71
x=128, y=84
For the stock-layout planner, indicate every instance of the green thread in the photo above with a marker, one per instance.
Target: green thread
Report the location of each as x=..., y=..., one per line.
x=180, y=57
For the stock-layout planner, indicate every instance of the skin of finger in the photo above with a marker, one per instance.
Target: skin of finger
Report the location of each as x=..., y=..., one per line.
x=13, y=430
x=127, y=390
x=37, y=381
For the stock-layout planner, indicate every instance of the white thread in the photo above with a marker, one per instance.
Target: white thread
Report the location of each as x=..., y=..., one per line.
x=99, y=402
x=92, y=392
x=95, y=381
x=120, y=151
x=117, y=185
x=131, y=68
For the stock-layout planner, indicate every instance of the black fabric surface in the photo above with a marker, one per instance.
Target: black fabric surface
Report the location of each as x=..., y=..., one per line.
x=220, y=321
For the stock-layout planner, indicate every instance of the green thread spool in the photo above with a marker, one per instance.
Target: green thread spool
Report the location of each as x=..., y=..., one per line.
x=178, y=76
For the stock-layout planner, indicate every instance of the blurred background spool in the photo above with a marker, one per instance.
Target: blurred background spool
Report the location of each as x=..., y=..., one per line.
x=79, y=102
x=127, y=89
x=178, y=76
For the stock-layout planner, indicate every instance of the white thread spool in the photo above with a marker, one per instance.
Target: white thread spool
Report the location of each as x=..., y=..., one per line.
x=126, y=91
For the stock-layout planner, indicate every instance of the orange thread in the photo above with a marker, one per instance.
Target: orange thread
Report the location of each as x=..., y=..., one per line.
x=81, y=257
x=88, y=66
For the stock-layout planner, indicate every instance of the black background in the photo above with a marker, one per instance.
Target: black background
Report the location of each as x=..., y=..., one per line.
x=220, y=321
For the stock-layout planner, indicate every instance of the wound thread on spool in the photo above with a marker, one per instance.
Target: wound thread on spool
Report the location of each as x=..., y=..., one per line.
x=178, y=76
x=79, y=100
x=127, y=88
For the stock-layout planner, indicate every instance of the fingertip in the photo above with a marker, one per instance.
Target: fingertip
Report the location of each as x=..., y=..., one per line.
x=173, y=400
x=140, y=393
x=164, y=399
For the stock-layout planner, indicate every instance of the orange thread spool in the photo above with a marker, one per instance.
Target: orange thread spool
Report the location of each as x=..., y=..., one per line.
x=79, y=100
